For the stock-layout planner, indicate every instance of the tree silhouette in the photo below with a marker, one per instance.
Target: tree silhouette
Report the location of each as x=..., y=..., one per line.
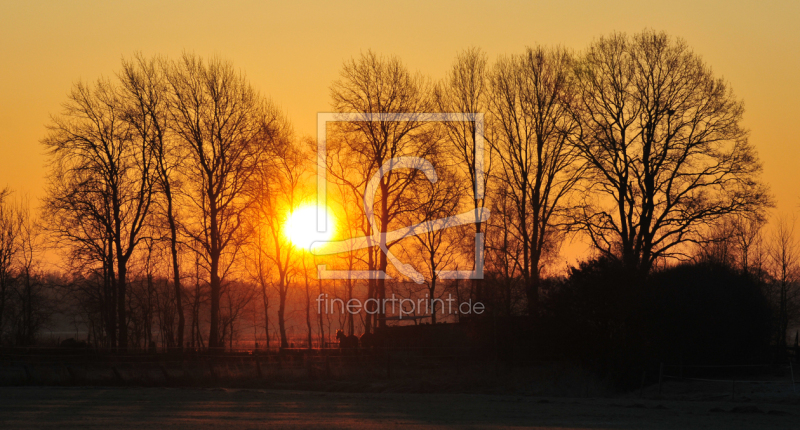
x=465, y=89
x=378, y=87
x=148, y=95
x=538, y=164
x=101, y=182
x=225, y=127
x=667, y=152
x=9, y=247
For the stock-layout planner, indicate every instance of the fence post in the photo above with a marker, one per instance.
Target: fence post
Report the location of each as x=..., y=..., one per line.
x=117, y=374
x=660, y=378
x=309, y=366
x=641, y=388
x=184, y=373
x=211, y=370
x=28, y=374
x=258, y=365
x=72, y=378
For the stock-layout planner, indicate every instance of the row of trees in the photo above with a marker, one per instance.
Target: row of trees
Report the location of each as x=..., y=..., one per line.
x=182, y=172
x=771, y=259
x=634, y=143
x=168, y=152
x=733, y=304
x=26, y=292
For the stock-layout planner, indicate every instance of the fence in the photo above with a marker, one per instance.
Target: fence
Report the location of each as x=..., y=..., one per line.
x=64, y=366
x=454, y=368
x=421, y=369
x=732, y=375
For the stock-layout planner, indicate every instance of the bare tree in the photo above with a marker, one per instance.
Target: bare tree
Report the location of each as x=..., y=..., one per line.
x=749, y=242
x=667, y=151
x=537, y=161
x=784, y=255
x=349, y=201
x=147, y=89
x=378, y=87
x=198, y=297
x=9, y=247
x=307, y=284
x=236, y=298
x=224, y=127
x=352, y=223
x=101, y=173
x=261, y=267
x=718, y=244
x=275, y=257
x=465, y=89
x=439, y=247
x=88, y=248
x=503, y=253
x=35, y=307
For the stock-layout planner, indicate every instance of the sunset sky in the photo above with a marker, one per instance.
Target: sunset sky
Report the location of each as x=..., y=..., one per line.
x=292, y=52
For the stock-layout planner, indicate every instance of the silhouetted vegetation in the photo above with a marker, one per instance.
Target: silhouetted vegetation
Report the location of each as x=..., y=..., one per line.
x=698, y=313
x=707, y=313
x=171, y=183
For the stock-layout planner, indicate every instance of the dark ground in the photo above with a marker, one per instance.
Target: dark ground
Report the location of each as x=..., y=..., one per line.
x=186, y=408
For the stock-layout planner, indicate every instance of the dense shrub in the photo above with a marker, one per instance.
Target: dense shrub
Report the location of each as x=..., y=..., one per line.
x=707, y=314
x=593, y=314
x=617, y=323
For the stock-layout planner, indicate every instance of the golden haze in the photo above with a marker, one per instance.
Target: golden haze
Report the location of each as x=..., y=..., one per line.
x=293, y=51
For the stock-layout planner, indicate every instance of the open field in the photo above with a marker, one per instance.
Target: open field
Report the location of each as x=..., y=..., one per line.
x=181, y=408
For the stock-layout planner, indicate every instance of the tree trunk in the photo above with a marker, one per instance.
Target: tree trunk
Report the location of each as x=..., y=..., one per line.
x=109, y=285
x=213, y=335
x=433, y=302
x=265, y=300
x=532, y=292
x=382, y=261
x=29, y=308
x=477, y=283
x=370, y=292
x=149, y=314
x=176, y=273
x=322, y=321
x=215, y=287
x=122, y=320
x=308, y=317
x=351, y=323
x=281, y=319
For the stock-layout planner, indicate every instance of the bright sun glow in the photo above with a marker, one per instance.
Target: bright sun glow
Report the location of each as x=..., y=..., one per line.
x=301, y=227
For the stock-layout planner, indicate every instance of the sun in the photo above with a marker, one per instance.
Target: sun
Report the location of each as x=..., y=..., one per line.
x=301, y=227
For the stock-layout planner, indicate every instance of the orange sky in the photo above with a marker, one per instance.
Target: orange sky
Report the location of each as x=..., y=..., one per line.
x=293, y=52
